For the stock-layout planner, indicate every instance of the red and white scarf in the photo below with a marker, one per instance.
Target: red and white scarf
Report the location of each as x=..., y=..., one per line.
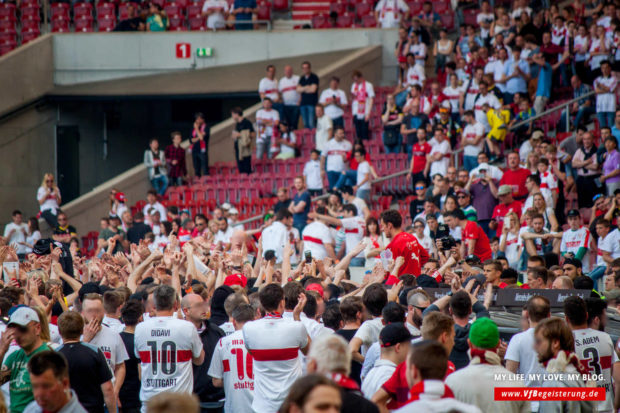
x=359, y=91
x=430, y=389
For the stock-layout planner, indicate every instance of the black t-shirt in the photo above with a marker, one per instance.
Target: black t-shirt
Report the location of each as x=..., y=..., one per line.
x=414, y=122
x=309, y=98
x=129, y=393
x=68, y=230
x=356, y=366
x=416, y=207
x=244, y=125
x=281, y=205
x=128, y=25
x=88, y=370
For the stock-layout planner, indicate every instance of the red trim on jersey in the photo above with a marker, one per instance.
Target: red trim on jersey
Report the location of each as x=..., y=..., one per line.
x=182, y=356
x=226, y=365
x=352, y=231
x=274, y=314
x=313, y=239
x=275, y=354
x=605, y=363
x=286, y=89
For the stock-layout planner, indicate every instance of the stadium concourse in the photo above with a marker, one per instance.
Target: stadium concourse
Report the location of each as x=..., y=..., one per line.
x=449, y=242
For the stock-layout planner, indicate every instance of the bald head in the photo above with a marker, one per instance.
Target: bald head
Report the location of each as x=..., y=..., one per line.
x=190, y=299
x=418, y=300
x=237, y=239
x=288, y=71
x=562, y=283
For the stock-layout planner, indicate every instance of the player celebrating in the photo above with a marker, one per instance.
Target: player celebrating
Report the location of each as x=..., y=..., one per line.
x=167, y=347
x=576, y=240
x=403, y=244
x=231, y=365
x=594, y=349
x=274, y=343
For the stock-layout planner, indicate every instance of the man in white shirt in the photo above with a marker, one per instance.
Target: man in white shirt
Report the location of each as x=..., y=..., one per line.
x=334, y=156
x=483, y=165
x=324, y=128
x=216, y=12
x=520, y=359
x=606, y=87
x=16, y=233
x=362, y=187
x=439, y=158
x=362, y=98
x=312, y=172
x=576, y=240
x=374, y=299
x=317, y=238
x=268, y=86
x=485, y=97
x=290, y=97
x=224, y=233
x=608, y=247
x=395, y=342
x=274, y=343
x=267, y=120
x=354, y=228
x=152, y=202
x=334, y=100
x=157, y=337
x=275, y=236
x=349, y=197
x=473, y=140
x=107, y=340
x=389, y=13
x=112, y=303
x=231, y=365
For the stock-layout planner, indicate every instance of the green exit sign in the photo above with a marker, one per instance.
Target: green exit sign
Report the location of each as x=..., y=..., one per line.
x=204, y=52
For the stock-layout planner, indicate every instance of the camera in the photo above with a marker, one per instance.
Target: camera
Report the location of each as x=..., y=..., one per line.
x=447, y=243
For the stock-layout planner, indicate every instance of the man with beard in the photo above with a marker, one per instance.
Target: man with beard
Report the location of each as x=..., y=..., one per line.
x=555, y=345
x=594, y=348
x=417, y=302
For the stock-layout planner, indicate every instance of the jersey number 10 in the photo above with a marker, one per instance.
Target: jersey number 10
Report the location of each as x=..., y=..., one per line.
x=168, y=359
x=238, y=353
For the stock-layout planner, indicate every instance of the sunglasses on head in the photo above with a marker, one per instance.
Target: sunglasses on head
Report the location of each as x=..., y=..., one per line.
x=419, y=188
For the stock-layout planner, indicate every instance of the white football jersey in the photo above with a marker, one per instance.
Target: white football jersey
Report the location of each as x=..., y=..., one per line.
x=335, y=152
x=232, y=363
x=354, y=228
x=111, y=345
x=597, y=355
x=573, y=240
x=274, y=343
x=166, y=346
x=315, y=236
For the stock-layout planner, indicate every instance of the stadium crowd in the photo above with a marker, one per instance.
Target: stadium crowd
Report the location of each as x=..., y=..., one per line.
x=328, y=306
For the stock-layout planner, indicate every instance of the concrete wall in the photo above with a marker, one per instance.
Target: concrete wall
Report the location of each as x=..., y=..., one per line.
x=84, y=210
x=92, y=57
x=25, y=73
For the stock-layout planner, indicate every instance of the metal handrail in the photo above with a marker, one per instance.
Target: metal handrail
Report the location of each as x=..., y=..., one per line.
x=564, y=105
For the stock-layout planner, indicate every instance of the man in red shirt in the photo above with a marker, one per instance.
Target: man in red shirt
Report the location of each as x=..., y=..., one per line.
x=403, y=244
x=475, y=241
x=506, y=204
x=419, y=150
x=515, y=177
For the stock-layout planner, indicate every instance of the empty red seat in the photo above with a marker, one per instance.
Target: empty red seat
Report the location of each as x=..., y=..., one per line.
x=346, y=20
x=30, y=13
x=369, y=21
x=173, y=10
x=441, y=6
x=82, y=9
x=415, y=7
x=122, y=9
x=8, y=37
x=60, y=11
x=106, y=10
x=7, y=25
x=338, y=8
x=177, y=23
x=362, y=9
x=318, y=20
x=447, y=20
x=470, y=17
x=280, y=5
x=30, y=35
x=84, y=25
x=60, y=26
x=161, y=3
x=106, y=24
x=194, y=10
x=197, y=23
x=264, y=11
x=30, y=25
x=7, y=11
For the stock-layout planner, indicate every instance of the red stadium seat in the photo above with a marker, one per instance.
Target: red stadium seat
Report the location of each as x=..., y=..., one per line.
x=280, y=5
x=30, y=35
x=106, y=10
x=415, y=7
x=7, y=25
x=28, y=25
x=6, y=48
x=60, y=26
x=319, y=20
x=173, y=10
x=161, y=3
x=264, y=11
x=346, y=20
x=29, y=3
x=106, y=24
x=60, y=11
x=362, y=9
x=84, y=25
x=8, y=38
x=470, y=16
x=338, y=7
x=447, y=20
x=441, y=6
x=194, y=10
x=30, y=13
x=123, y=12
x=81, y=10
x=197, y=24
x=177, y=23
x=7, y=11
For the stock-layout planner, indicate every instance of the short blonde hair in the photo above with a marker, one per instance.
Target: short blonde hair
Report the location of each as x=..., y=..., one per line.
x=169, y=402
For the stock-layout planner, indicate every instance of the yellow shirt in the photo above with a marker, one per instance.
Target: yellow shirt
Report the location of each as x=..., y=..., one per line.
x=498, y=119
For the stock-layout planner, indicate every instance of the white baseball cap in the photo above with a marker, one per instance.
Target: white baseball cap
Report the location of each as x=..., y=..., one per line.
x=23, y=316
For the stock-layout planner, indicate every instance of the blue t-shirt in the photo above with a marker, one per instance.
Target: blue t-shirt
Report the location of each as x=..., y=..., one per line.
x=517, y=84
x=544, y=81
x=244, y=4
x=301, y=218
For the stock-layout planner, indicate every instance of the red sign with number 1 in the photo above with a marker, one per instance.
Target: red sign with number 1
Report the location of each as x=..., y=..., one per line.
x=183, y=50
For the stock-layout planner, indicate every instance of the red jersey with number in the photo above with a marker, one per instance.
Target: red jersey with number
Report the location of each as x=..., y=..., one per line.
x=407, y=246
x=482, y=249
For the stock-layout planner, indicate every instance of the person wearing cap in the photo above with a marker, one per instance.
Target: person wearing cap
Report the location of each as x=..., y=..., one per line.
x=576, y=240
x=484, y=169
x=25, y=328
x=506, y=205
x=119, y=205
x=233, y=218
x=395, y=341
x=463, y=198
x=474, y=384
x=572, y=268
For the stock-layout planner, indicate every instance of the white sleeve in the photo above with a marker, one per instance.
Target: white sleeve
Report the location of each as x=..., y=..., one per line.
x=512, y=351
x=563, y=243
x=196, y=344
x=303, y=335
x=605, y=244
x=403, y=6
x=216, y=368
x=379, y=5
x=327, y=237
x=343, y=98
x=323, y=97
x=363, y=334
x=370, y=90
x=348, y=223
x=40, y=193
x=7, y=229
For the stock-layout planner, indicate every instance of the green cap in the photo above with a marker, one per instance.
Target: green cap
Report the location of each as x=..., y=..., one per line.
x=484, y=334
